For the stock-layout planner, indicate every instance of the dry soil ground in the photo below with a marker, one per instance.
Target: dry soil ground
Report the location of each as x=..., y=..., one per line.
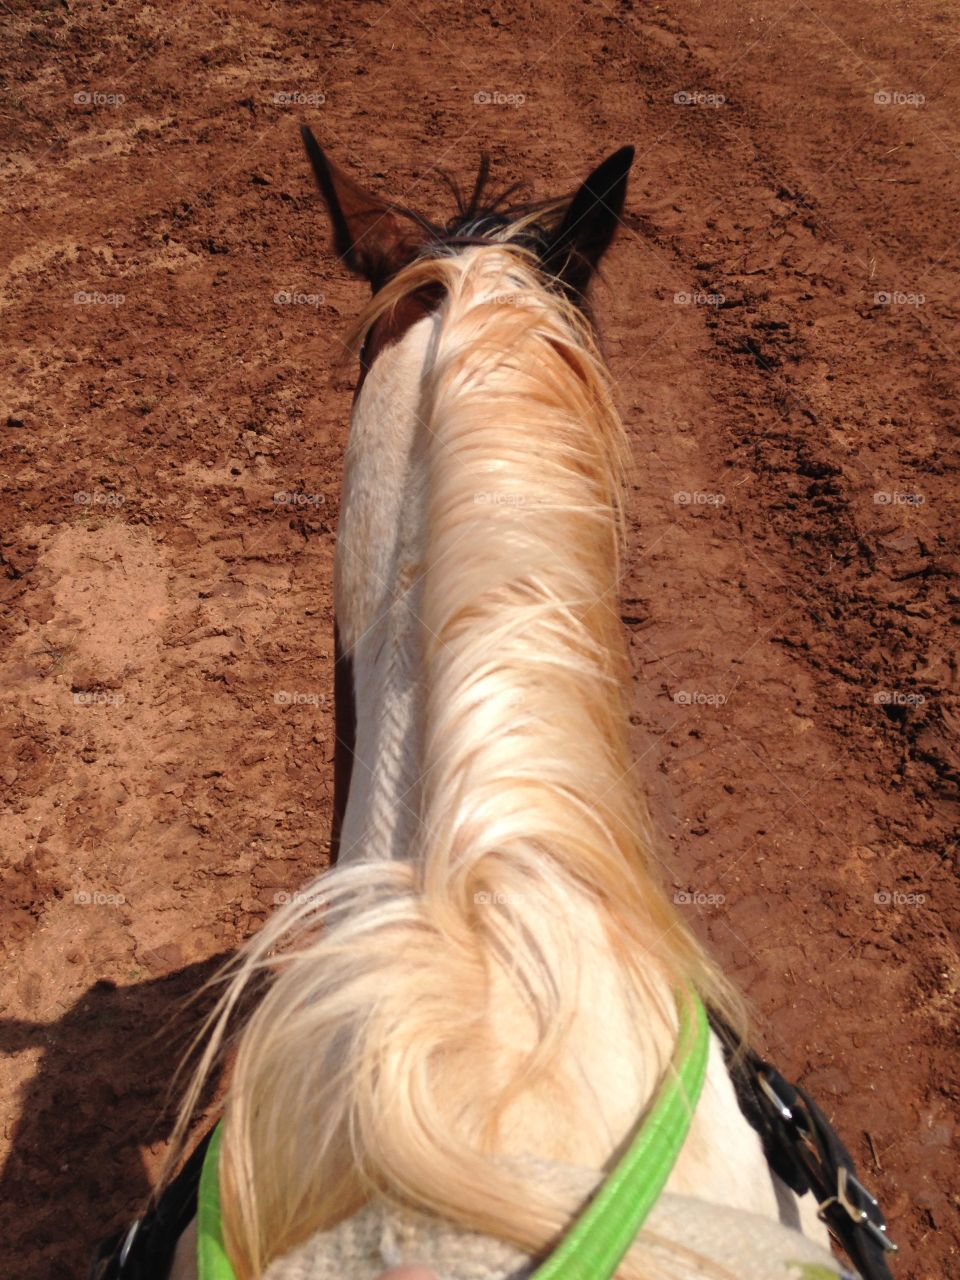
x=780, y=314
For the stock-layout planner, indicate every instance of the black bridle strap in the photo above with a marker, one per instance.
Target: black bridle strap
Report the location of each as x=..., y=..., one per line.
x=145, y=1249
x=803, y=1150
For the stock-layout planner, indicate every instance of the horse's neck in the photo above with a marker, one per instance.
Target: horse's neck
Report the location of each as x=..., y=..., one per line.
x=380, y=559
x=381, y=814
x=379, y=564
x=616, y=1052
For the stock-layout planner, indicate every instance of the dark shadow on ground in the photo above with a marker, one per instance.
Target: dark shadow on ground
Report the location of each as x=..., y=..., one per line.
x=101, y=1087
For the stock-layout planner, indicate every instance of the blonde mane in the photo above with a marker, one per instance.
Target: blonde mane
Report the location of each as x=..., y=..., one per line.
x=374, y=1063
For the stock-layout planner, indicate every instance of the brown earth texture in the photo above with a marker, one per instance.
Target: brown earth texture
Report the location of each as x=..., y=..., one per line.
x=780, y=316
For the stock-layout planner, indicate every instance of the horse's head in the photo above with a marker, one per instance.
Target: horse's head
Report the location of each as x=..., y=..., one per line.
x=377, y=238
x=410, y=262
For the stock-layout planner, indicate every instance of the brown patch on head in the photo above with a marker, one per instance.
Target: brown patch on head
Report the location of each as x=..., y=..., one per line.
x=394, y=324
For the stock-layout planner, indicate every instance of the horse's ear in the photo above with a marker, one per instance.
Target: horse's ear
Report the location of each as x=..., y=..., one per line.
x=590, y=221
x=368, y=234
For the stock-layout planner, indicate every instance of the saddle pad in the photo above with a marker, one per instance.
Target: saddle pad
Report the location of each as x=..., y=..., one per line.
x=684, y=1239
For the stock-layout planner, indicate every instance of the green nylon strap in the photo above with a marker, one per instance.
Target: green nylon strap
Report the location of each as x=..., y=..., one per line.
x=212, y=1260
x=595, y=1245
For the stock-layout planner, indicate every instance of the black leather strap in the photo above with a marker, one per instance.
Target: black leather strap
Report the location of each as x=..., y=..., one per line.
x=144, y=1250
x=803, y=1150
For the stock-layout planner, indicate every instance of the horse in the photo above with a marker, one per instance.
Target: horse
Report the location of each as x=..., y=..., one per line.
x=491, y=979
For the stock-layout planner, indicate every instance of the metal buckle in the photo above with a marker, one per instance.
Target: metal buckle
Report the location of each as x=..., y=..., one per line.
x=128, y=1240
x=852, y=1196
x=861, y=1207
x=770, y=1093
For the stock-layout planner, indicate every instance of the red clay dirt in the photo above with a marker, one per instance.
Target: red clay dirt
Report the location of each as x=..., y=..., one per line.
x=780, y=318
